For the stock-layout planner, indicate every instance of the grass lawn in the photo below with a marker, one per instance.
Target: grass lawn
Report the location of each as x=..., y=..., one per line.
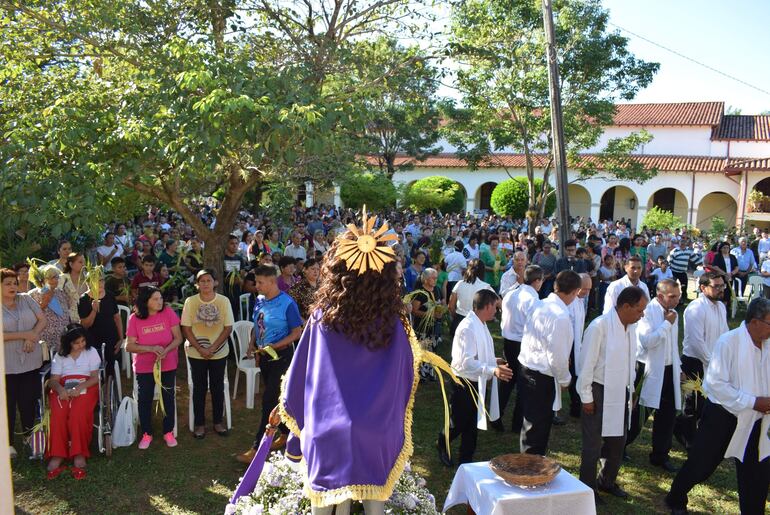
x=198, y=476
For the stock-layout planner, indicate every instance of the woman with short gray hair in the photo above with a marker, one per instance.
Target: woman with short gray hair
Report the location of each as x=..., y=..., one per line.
x=55, y=304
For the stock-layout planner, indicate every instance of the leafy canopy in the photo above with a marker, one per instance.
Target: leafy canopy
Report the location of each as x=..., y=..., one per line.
x=657, y=219
x=504, y=84
x=374, y=190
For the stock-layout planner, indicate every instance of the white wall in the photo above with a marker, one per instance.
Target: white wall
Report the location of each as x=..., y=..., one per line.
x=749, y=148
x=692, y=141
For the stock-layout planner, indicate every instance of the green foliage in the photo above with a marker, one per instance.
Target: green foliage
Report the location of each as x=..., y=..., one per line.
x=373, y=189
x=505, y=103
x=435, y=192
x=658, y=219
x=718, y=226
x=511, y=198
x=403, y=110
x=278, y=201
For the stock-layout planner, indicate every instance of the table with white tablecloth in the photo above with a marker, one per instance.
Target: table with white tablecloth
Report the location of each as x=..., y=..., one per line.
x=476, y=485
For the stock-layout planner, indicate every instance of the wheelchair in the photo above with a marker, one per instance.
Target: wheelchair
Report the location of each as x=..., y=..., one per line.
x=110, y=395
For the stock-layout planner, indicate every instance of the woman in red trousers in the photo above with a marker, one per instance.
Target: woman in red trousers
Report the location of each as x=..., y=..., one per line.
x=73, y=397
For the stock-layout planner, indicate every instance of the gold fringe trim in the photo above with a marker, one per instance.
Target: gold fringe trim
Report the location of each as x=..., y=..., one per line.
x=287, y=419
x=374, y=492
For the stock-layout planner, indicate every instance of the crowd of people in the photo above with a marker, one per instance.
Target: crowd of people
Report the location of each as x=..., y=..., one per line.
x=461, y=268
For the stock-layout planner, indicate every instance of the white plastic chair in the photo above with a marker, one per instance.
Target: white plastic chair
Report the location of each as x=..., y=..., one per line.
x=125, y=358
x=241, y=335
x=191, y=415
x=756, y=284
x=156, y=396
x=244, y=305
x=739, y=298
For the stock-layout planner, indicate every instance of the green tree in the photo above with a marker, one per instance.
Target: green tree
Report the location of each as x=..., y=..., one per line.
x=374, y=190
x=404, y=112
x=511, y=198
x=504, y=86
x=106, y=101
x=657, y=218
x=435, y=192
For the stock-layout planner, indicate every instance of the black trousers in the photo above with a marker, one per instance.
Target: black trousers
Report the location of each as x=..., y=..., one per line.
x=146, y=385
x=272, y=371
x=109, y=358
x=608, y=449
x=575, y=404
x=687, y=422
x=22, y=391
x=511, y=349
x=208, y=374
x=456, y=319
x=682, y=278
x=537, y=392
x=464, y=413
x=711, y=441
x=663, y=421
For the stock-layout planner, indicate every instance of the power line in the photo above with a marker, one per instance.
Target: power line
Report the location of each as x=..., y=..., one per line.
x=711, y=68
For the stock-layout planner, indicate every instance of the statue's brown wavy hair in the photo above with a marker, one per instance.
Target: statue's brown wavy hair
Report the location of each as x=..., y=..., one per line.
x=362, y=307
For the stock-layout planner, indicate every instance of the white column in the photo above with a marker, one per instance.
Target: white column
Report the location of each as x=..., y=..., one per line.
x=309, y=194
x=470, y=205
x=640, y=212
x=337, y=197
x=594, y=213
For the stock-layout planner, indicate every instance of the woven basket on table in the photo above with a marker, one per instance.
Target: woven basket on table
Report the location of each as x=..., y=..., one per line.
x=525, y=469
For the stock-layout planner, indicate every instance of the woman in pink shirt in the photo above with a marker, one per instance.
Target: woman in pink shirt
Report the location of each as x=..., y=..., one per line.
x=154, y=335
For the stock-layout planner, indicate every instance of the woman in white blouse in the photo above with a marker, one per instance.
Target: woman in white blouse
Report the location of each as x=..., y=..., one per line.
x=461, y=299
x=73, y=396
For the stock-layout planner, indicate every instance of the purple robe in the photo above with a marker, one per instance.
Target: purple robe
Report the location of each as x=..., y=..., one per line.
x=353, y=408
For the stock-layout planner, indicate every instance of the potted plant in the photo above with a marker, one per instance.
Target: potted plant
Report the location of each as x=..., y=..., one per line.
x=758, y=202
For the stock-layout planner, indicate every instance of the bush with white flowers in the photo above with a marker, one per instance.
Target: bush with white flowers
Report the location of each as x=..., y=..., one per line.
x=279, y=492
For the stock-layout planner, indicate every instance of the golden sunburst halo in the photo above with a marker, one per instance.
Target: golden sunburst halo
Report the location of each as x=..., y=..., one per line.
x=365, y=253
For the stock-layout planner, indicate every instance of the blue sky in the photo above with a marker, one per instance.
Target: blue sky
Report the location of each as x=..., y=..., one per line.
x=731, y=36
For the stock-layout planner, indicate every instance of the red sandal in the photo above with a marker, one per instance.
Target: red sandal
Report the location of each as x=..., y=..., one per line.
x=53, y=474
x=78, y=473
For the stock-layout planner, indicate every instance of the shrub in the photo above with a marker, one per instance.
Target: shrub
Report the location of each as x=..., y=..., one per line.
x=373, y=189
x=511, y=198
x=658, y=219
x=435, y=192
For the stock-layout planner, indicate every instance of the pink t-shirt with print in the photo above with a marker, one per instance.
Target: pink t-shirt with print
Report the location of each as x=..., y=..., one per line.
x=154, y=330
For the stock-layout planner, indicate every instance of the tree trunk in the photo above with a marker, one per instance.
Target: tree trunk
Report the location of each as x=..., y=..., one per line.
x=213, y=254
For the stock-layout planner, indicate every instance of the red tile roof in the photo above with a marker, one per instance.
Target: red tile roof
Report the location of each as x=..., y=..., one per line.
x=743, y=127
x=665, y=163
x=739, y=165
x=680, y=113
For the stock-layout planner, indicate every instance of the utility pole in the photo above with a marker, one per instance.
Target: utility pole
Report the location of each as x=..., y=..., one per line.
x=557, y=130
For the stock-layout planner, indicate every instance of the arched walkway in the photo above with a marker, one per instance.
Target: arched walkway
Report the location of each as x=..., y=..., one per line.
x=484, y=195
x=579, y=201
x=716, y=204
x=619, y=202
x=670, y=199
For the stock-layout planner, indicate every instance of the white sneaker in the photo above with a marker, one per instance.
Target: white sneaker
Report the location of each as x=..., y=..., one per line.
x=12, y=452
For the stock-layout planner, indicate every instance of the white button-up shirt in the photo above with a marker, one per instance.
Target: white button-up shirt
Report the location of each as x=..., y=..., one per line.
x=517, y=308
x=614, y=289
x=547, y=339
x=704, y=322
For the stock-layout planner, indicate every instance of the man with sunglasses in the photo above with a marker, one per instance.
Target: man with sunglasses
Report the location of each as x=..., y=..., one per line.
x=705, y=320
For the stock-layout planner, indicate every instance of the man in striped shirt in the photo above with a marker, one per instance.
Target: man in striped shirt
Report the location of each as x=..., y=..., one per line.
x=679, y=260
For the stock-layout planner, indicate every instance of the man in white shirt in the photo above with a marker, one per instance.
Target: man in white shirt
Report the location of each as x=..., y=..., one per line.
x=473, y=358
x=455, y=266
x=514, y=276
x=577, y=313
x=763, y=247
x=658, y=367
x=605, y=383
x=705, y=320
x=545, y=347
x=109, y=250
x=517, y=306
x=633, y=270
x=735, y=416
x=296, y=249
